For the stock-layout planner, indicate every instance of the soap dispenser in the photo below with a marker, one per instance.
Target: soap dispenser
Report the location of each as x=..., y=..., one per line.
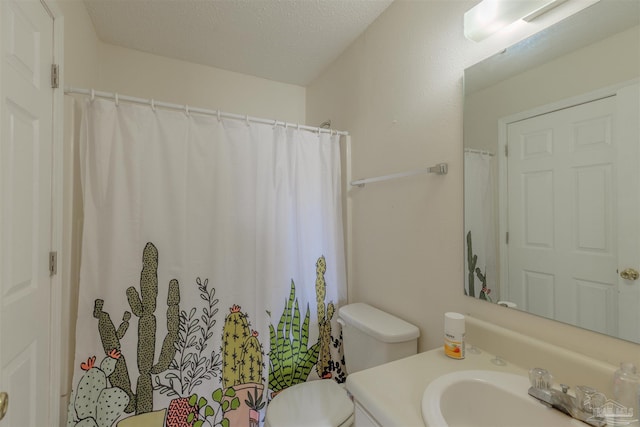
x=625, y=386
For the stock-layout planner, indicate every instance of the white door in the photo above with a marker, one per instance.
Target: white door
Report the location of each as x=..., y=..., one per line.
x=570, y=215
x=628, y=132
x=26, y=106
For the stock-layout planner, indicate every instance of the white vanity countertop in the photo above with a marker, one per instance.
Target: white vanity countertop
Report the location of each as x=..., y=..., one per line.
x=392, y=393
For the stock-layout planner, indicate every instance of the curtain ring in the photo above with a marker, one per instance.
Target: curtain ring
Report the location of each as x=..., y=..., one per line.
x=117, y=99
x=246, y=119
x=93, y=95
x=218, y=115
x=298, y=126
x=153, y=105
x=186, y=109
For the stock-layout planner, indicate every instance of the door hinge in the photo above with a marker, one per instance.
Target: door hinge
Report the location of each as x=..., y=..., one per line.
x=506, y=150
x=53, y=263
x=55, y=76
x=507, y=238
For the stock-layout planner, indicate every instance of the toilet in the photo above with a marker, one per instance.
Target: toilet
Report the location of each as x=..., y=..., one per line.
x=371, y=337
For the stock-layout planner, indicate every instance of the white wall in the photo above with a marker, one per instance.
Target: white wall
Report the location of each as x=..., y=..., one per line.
x=398, y=91
x=140, y=74
x=90, y=63
x=80, y=67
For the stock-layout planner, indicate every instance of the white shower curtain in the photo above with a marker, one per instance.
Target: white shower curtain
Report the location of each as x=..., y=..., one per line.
x=480, y=225
x=212, y=264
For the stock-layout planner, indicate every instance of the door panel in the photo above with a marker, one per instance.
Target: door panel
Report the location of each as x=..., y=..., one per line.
x=562, y=219
x=26, y=112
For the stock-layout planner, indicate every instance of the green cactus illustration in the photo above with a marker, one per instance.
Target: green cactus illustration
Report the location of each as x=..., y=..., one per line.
x=485, y=291
x=143, y=306
x=250, y=368
x=241, y=351
x=234, y=332
x=472, y=260
x=110, y=338
x=290, y=361
x=94, y=402
x=324, y=320
x=194, y=361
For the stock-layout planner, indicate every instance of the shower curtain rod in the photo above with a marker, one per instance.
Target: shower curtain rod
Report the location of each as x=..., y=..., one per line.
x=188, y=109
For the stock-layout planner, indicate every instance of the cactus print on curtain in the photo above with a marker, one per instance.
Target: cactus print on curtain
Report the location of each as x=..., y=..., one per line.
x=212, y=267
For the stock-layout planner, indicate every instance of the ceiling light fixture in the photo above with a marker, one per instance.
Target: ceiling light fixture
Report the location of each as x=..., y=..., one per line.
x=490, y=16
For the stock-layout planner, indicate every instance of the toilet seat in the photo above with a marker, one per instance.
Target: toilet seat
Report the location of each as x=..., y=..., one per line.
x=321, y=403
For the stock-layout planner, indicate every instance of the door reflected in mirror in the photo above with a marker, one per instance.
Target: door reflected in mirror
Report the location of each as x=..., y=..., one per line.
x=552, y=182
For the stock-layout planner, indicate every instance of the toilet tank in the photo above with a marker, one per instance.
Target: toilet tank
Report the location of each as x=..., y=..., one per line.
x=372, y=337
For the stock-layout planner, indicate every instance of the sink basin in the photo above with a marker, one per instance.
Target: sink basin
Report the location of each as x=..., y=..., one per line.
x=486, y=398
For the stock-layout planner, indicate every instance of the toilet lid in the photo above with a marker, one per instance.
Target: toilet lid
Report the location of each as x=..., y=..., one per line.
x=321, y=403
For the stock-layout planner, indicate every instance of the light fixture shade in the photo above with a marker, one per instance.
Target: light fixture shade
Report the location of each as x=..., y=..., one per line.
x=490, y=16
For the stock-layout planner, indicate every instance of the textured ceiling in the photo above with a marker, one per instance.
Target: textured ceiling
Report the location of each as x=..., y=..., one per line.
x=290, y=41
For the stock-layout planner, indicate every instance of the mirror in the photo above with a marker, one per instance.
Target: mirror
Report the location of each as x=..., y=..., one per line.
x=552, y=188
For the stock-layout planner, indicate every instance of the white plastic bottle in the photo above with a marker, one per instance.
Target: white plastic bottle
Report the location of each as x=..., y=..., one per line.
x=454, y=332
x=626, y=385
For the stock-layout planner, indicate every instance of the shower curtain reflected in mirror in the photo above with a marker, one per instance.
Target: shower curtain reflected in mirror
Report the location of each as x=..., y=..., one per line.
x=481, y=279
x=212, y=266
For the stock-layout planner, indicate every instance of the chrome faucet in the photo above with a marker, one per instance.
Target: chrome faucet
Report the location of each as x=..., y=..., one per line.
x=581, y=407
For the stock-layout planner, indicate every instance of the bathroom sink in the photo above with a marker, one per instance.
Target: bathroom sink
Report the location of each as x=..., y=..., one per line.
x=486, y=398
